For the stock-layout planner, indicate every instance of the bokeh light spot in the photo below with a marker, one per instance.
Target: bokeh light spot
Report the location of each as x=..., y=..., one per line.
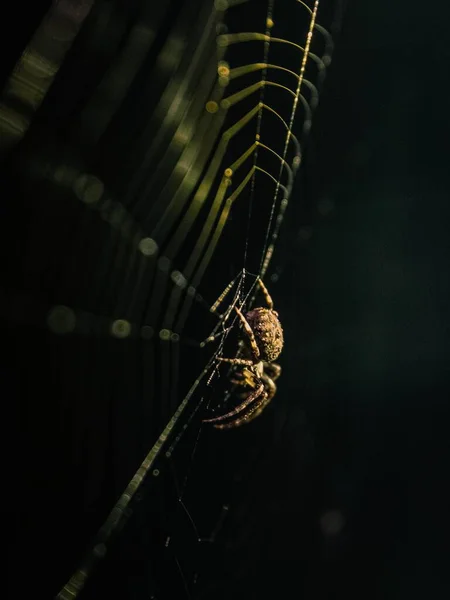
x=148, y=247
x=332, y=522
x=89, y=189
x=325, y=206
x=212, y=107
x=61, y=320
x=121, y=328
x=164, y=335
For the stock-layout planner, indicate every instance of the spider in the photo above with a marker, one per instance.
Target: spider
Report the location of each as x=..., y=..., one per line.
x=262, y=344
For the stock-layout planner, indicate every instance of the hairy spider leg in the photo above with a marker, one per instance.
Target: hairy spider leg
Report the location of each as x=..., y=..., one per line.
x=257, y=397
x=223, y=295
x=270, y=386
x=247, y=378
x=213, y=337
x=248, y=416
x=267, y=296
x=257, y=412
x=224, y=317
x=249, y=331
x=258, y=393
x=271, y=390
x=255, y=350
x=238, y=361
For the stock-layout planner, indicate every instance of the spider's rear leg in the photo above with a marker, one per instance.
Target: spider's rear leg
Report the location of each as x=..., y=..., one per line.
x=270, y=387
x=271, y=390
x=258, y=393
x=248, y=415
x=273, y=370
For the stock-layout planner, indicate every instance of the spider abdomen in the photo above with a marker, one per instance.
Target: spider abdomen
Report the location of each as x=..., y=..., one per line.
x=268, y=332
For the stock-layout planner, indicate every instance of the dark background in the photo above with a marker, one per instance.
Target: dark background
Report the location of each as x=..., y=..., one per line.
x=341, y=489
x=375, y=378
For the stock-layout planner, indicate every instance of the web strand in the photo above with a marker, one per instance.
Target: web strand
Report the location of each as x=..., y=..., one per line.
x=267, y=252
x=269, y=23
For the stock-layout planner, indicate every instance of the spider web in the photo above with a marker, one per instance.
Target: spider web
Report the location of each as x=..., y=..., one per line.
x=167, y=165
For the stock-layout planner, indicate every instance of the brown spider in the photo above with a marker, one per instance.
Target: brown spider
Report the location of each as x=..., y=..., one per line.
x=263, y=343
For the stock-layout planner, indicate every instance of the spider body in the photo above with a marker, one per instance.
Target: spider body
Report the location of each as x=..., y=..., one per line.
x=262, y=344
x=268, y=332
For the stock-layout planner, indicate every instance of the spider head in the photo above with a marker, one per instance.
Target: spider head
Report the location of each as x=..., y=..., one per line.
x=268, y=332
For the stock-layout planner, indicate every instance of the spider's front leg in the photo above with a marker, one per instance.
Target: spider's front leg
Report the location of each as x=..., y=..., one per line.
x=251, y=336
x=267, y=296
x=237, y=361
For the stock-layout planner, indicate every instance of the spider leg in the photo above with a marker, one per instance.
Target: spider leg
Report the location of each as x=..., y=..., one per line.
x=259, y=392
x=244, y=378
x=267, y=296
x=248, y=330
x=255, y=408
x=211, y=338
x=270, y=387
x=223, y=295
x=238, y=361
x=273, y=370
x=271, y=390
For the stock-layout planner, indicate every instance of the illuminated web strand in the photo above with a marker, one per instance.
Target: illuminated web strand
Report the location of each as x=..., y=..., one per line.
x=193, y=211
x=195, y=271
x=173, y=103
x=186, y=223
x=175, y=195
x=220, y=196
x=214, y=240
x=267, y=252
x=119, y=514
x=228, y=39
x=233, y=73
x=293, y=137
x=238, y=38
